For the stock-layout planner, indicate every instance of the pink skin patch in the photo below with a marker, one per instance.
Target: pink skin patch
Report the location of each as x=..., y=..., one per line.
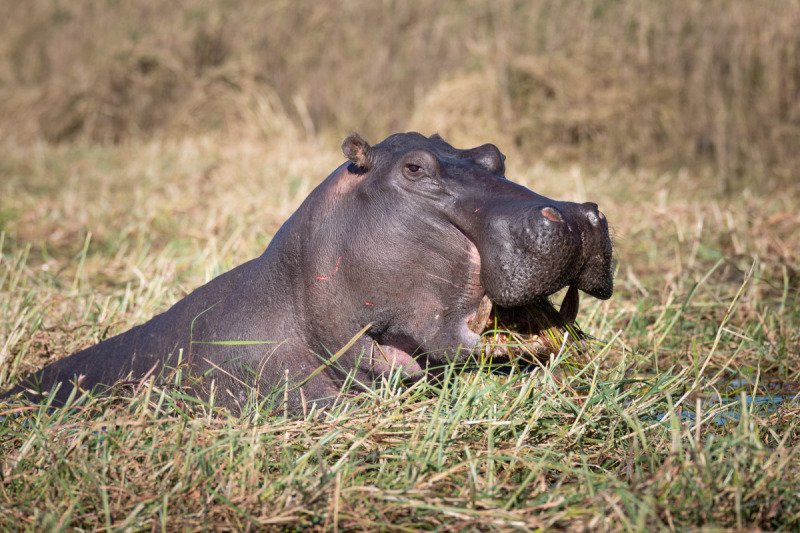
x=551, y=214
x=475, y=321
x=343, y=182
x=386, y=359
x=475, y=283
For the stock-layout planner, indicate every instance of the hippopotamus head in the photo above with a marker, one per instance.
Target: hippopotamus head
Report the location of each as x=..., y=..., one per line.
x=412, y=235
x=529, y=246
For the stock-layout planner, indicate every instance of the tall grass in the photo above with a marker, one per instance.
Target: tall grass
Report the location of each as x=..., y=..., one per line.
x=711, y=84
x=538, y=450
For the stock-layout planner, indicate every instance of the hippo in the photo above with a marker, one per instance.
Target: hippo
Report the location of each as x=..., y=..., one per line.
x=391, y=265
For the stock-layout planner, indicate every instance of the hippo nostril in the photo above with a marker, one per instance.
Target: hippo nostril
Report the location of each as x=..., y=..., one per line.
x=551, y=213
x=592, y=213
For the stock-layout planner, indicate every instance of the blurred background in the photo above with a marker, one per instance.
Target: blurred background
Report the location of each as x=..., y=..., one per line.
x=709, y=85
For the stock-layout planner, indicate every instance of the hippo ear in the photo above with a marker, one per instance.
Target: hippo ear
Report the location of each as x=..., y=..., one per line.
x=357, y=150
x=489, y=157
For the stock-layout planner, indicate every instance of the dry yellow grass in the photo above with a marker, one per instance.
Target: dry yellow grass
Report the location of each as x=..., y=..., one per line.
x=711, y=84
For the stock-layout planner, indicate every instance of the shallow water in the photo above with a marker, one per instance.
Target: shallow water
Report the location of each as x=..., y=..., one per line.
x=730, y=410
x=728, y=401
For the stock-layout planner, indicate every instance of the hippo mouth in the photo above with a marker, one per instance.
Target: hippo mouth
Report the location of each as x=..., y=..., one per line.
x=529, y=333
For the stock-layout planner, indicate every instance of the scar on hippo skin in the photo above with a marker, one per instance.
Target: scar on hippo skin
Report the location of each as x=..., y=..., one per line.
x=333, y=272
x=412, y=255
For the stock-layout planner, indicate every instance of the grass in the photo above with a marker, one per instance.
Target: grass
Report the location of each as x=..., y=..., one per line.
x=628, y=83
x=97, y=238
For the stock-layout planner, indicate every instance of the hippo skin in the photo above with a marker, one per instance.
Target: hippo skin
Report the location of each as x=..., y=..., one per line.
x=408, y=240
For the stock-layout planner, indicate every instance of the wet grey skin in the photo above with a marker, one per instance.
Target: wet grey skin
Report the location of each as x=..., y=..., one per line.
x=405, y=240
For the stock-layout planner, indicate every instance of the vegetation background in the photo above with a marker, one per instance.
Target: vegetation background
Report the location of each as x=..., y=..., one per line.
x=148, y=146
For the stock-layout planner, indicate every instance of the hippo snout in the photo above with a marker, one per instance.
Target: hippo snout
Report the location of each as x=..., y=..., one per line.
x=548, y=245
x=593, y=214
x=596, y=276
x=591, y=269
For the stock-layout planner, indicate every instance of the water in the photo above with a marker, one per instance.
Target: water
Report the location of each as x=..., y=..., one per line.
x=730, y=409
x=727, y=404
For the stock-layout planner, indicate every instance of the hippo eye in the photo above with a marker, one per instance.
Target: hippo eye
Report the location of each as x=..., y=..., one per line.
x=419, y=165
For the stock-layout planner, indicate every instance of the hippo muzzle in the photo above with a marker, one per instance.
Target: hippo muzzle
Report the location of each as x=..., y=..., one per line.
x=531, y=251
x=534, y=250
